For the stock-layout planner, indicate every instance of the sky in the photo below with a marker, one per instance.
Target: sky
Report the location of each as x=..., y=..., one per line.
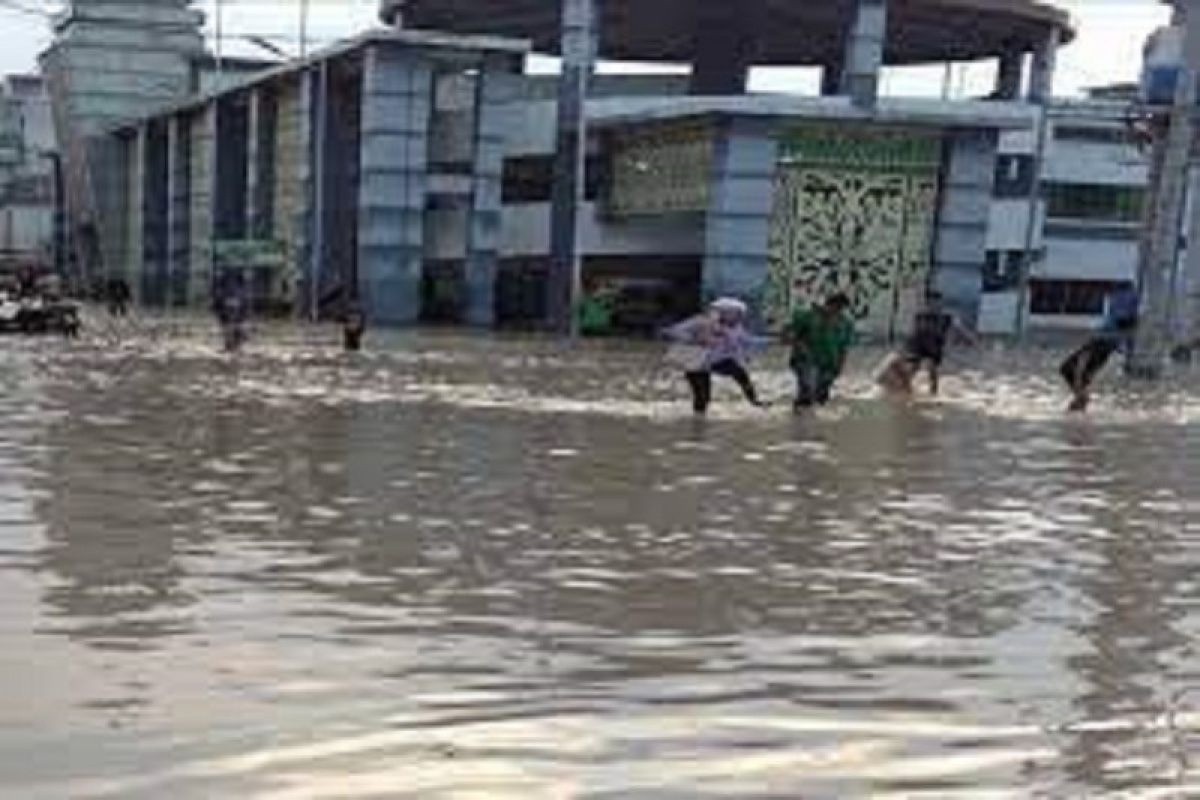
x=1107, y=50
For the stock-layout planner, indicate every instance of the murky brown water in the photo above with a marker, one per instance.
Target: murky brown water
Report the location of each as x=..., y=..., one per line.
x=472, y=568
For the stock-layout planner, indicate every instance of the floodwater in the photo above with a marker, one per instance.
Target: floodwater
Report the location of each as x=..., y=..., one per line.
x=457, y=567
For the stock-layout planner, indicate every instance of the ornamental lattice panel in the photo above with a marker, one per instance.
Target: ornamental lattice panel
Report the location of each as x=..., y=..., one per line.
x=853, y=213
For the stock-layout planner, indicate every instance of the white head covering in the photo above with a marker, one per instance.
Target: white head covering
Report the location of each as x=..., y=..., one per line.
x=730, y=304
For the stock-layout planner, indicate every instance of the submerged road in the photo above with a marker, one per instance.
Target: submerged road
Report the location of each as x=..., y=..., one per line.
x=456, y=567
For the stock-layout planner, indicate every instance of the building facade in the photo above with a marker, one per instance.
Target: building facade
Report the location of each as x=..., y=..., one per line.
x=1083, y=220
x=411, y=171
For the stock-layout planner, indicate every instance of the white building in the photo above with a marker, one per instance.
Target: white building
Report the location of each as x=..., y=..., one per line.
x=1085, y=224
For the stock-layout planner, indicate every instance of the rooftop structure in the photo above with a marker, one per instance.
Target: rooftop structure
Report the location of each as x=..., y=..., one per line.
x=716, y=36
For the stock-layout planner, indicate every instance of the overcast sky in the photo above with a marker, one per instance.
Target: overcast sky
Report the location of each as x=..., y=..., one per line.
x=1108, y=48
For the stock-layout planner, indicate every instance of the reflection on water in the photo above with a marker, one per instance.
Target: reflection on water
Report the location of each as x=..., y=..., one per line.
x=458, y=567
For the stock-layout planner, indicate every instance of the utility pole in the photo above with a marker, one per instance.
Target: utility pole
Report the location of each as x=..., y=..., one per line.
x=578, y=48
x=1163, y=221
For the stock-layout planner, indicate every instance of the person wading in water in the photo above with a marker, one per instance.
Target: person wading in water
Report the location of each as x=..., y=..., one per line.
x=715, y=343
x=1081, y=368
x=925, y=348
x=821, y=339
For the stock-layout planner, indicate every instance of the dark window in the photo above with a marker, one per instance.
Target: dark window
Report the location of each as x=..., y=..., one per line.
x=1002, y=270
x=530, y=179
x=1094, y=202
x=1079, y=133
x=1014, y=176
x=1084, y=298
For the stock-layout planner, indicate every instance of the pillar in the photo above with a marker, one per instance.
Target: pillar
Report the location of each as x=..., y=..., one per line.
x=1041, y=74
x=394, y=166
x=260, y=164
x=864, y=52
x=960, y=245
x=1009, y=73
x=739, y=212
x=496, y=88
x=195, y=283
x=135, y=236
x=178, y=179
x=155, y=213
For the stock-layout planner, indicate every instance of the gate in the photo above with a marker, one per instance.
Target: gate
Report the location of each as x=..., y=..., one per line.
x=854, y=212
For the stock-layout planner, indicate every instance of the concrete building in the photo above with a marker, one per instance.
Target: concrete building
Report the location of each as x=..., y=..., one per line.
x=412, y=169
x=1086, y=218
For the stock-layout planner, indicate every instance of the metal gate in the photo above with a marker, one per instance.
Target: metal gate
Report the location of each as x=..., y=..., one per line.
x=854, y=212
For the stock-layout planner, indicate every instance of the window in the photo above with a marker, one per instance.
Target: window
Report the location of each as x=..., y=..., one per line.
x=530, y=179
x=1002, y=270
x=1014, y=176
x=1077, y=298
x=1092, y=135
x=1087, y=201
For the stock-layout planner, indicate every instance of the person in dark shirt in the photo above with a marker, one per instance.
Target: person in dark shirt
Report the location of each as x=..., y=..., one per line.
x=926, y=347
x=1081, y=368
x=119, y=296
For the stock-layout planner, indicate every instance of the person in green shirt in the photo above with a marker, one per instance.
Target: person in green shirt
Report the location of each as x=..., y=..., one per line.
x=821, y=338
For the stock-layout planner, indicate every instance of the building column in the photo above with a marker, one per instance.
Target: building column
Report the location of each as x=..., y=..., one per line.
x=135, y=241
x=260, y=165
x=1009, y=74
x=960, y=245
x=739, y=213
x=392, y=187
x=1041, y=74
x=178, y=179
x=202, y=185
x=495, y=89
x=864, y=52
x=156, y=204
x=725, y=35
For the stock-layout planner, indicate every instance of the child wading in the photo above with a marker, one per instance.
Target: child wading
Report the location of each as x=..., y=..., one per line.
x=1082, y=366
x=715, y=342
x=933, y=327
x=821, y=338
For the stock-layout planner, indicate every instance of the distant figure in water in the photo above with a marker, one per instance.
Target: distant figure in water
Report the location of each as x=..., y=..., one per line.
x=821, y=338
x=354, y=326
x=933, y=327
x=1080, y=368
x=119, y=296
x=70, y=322
x=231, y=309
x=715, y=343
